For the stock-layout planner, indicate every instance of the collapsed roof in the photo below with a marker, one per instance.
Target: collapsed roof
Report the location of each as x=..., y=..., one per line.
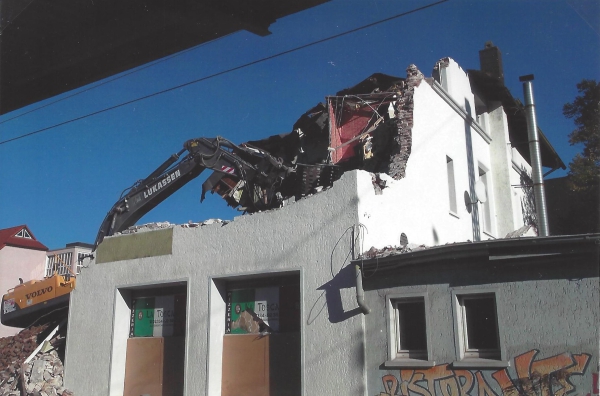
x=367, y=126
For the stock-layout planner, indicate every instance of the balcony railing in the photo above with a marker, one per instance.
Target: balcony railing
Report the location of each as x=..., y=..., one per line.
x=62, y=264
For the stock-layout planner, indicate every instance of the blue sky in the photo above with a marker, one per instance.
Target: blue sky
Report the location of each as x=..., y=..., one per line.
x=62, y=182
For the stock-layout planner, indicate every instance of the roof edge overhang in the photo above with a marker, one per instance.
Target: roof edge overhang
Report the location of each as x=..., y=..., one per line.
x=497, y=251
x=494, y=90
x=15, y=245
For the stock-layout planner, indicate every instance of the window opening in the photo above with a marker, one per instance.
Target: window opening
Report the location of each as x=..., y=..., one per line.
x=411, y=331
x=451, y=184
x=479, y=326
x=154, y=349
x=261, y=345
x=24, y=234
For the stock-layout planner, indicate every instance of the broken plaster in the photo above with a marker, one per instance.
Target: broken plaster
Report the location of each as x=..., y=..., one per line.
x=404, y=124
x=378, y=183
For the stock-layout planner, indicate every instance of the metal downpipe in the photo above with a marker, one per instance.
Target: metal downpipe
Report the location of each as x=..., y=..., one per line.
x=360, y=292
x=536, y=158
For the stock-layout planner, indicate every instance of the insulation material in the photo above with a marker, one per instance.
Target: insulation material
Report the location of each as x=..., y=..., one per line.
x=346, y=121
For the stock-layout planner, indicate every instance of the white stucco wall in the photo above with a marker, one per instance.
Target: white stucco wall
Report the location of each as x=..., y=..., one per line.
x=312, y=236
x=519, y=164
x=418, y=204
x=18, y=263
x=501, y=170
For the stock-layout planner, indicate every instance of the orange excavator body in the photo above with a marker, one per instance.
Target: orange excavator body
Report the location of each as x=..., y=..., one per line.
x=23, y=304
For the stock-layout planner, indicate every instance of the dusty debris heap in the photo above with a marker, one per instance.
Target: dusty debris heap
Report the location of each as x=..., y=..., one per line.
x=42, y=375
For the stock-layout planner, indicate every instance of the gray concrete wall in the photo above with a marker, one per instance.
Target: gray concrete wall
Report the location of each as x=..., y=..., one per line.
x=548, y=317
x=312, y=236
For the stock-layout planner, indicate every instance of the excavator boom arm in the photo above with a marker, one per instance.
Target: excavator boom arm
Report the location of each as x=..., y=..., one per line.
x=217, y=154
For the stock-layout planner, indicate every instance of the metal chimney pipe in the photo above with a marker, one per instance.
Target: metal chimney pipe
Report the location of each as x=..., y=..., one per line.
x=536, y=157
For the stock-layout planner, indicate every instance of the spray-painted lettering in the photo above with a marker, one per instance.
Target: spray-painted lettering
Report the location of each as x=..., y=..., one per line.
x=543, y=377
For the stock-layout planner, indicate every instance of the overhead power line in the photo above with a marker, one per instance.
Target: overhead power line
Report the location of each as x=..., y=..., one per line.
x=223, y=72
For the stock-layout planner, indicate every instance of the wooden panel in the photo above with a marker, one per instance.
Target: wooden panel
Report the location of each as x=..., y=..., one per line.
x=245, y=365
x=144, y=366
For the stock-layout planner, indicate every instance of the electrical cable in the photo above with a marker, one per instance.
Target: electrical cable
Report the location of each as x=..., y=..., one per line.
x=221, y=73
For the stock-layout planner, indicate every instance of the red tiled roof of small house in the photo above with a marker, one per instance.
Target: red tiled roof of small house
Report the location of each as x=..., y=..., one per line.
x=8, y=237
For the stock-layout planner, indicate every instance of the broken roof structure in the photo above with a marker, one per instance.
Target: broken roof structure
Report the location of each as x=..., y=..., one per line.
x=369, y=127
x=372, y=126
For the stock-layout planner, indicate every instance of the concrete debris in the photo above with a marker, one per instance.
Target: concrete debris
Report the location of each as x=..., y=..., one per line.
x=391, y=251
x=437, y=70
x=146, y=227
x=42, y=376
x=378, y=183
x=518, y=233
x=191, y=224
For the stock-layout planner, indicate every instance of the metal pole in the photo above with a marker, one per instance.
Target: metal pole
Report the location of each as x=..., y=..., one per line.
x=536, y=157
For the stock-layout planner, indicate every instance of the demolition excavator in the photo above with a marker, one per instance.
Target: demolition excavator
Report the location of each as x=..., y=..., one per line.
x=246, y=176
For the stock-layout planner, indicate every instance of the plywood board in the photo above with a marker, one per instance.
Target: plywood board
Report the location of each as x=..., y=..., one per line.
x=144, y=367
x=245, y=365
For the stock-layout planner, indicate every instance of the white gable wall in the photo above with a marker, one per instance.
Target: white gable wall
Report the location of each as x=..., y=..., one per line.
x=418, y=204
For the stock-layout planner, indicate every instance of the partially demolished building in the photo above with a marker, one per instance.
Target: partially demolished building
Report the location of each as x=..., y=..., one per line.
x=198, y=310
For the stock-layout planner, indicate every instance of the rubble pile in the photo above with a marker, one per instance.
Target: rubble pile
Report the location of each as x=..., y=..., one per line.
x=18, y=347
x=146, y=227
x=42, y=376
x=390, y=251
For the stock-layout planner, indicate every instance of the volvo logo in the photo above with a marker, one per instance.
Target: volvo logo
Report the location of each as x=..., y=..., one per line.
x=38, y=293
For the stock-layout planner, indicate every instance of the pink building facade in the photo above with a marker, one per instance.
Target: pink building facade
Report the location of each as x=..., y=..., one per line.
x=21, y=256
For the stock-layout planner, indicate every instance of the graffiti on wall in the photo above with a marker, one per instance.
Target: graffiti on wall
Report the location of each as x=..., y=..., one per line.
x=544, y=377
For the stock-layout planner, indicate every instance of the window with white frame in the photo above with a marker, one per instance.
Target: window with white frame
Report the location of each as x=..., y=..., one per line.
x=408, y=337
x=478, y=335
x=23, y=234
x=486, y=208
x=451, y=184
